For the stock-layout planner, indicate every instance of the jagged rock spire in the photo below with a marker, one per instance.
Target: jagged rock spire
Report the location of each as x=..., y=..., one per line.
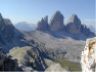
x=74, y=19
x=43, y=24
x=0, y=16
x=74, y=24
x=57, y=22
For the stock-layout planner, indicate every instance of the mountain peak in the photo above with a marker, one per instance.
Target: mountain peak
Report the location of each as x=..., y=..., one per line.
x=7, y=21
x=57, y=22
x=74, y=19
x=46, y=18
x=43, y=24
x=0, y=17
x=74, y=28
x=58, y=14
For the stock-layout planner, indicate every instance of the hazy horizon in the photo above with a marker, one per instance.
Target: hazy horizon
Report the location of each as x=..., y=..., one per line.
x=33, y=10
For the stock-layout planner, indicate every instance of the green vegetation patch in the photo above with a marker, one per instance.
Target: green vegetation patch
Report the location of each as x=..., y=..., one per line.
x=72, y=66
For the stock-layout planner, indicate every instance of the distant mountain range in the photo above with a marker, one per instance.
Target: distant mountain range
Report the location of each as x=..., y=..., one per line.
x=50, y=41
x=73, y=29
x=11, y=36
x=56, y=27
x=24, y=26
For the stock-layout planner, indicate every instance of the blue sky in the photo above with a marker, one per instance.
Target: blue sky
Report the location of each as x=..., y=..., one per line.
x=33, y=10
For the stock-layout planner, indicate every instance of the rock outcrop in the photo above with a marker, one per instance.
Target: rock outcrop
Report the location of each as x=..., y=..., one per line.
x=88, y=57
x=57, y=23
x=9, y=35
x=87, y=32
x=7, y=64
x=73, y=29
x=55, y=67
x=28, y=58
x=77, y=29
x=6, y=29
x=74, y=25
x=43, y=24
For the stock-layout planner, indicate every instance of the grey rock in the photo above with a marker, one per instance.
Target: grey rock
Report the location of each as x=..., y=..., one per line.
x=9, y=35
x=74, y=25
x=76, y=30
x=58, y=48
x=57, y=22
x=28, y=57
x=7, y=64
x=43, y=24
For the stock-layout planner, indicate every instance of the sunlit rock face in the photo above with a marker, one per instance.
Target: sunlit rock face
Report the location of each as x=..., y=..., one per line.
x=88, y=57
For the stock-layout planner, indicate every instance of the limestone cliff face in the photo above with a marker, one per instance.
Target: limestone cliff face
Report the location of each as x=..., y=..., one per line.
x=74, y=25
x=73, y=29
x=6, y=29
x=43, y=24
x=57, y=22
x=9, y=35
x=88, y=57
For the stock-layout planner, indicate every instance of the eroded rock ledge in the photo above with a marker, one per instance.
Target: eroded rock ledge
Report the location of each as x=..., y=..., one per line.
x=88, y=57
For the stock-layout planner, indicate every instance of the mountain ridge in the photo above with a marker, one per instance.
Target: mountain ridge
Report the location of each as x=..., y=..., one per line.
x=74, y=28
x=25, y=26
x=9, y=35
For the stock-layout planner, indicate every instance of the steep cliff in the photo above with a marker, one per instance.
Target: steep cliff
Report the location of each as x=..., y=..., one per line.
x=88, y=57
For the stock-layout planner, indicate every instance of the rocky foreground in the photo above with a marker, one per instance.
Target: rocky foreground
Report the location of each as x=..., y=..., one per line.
x=88, y=57
x=73, y=28
x=28, y=59
x=33, y=59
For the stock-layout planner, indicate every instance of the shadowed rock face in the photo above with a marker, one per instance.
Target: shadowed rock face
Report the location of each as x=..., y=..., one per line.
x=9, y=30
x=74, y=25
x=6, y=28
x=9, y=35
x=7, y=64
x=43, y=24
x=57, y=22
x=88, y=57
x=87, y=32
x=74, y=28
